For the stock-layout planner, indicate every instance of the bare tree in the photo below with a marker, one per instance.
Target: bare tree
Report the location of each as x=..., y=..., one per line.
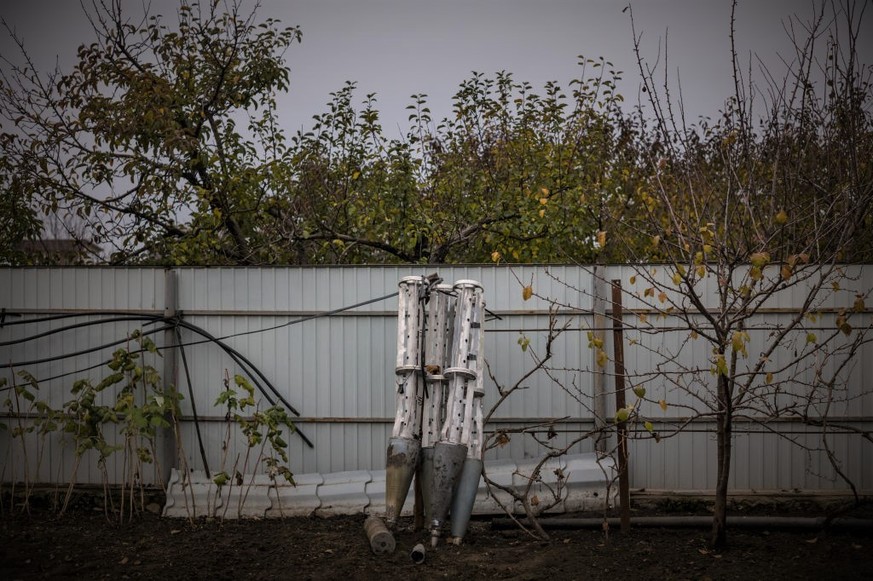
x=746, y=218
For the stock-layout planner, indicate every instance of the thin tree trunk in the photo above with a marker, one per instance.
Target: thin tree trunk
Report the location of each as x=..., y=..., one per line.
x=724, y=428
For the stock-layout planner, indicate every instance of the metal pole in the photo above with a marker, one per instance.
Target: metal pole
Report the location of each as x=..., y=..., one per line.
x=168, y=450
x=599, y=387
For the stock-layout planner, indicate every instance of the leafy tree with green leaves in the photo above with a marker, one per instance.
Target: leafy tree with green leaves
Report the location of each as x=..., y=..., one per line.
x=511, y=175
x=18, y=219
x=163, y=138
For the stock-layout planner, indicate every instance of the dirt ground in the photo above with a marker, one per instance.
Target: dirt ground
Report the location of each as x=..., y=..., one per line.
x=85, y=545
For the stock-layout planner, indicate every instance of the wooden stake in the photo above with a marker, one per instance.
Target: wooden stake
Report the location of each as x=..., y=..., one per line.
x=621, y=428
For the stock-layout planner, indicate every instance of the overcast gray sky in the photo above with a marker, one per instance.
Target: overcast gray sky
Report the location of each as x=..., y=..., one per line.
x=399, y=47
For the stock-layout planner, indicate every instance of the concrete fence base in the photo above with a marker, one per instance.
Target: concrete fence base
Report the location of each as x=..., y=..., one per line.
x=581, y=480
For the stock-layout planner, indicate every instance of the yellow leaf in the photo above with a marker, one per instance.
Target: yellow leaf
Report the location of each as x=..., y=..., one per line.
x=835, y=285
x=737, y=341
x=602, y=358
x=523, y=342
x=721, y=365
x=542, y=212
x=858, y=307
x=769, y=377
x=544, y=201
x=648, y=425
x=656, y=240
x=601, y=238
x=622, y=415
x=842, y=324
x=545, y=191
x=662, y=296
x=663, y=404
x=759, y=259
x=527, y=292
x=633, y=280
x=810, y=338
x=677, y=278
x=701, y=271
x=495, y=256
x=356, y=175
x=649, y=292
x=694, y=334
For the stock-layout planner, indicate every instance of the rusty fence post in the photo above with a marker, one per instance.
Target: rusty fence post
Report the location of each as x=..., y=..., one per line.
x=621, y=428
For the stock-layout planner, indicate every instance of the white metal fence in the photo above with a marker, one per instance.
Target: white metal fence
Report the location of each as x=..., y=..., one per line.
x=338, y=370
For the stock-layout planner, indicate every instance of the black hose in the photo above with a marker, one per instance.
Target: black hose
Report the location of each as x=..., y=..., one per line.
x=78, y=353
x=128, y=318
x=124, y=316
x=249, y=369
x=757, y=522
x=26, y=321
x=193, y=403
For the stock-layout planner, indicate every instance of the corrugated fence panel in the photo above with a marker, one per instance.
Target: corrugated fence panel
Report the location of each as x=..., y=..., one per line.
x=52, y=295
x=338, y=371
